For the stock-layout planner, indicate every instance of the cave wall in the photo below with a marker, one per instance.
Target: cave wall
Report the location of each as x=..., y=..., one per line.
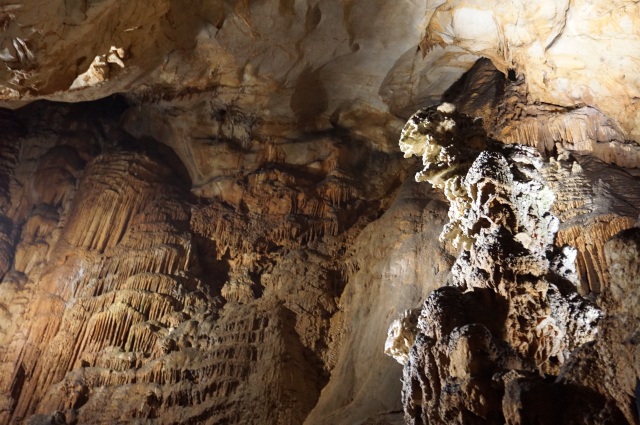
x=133, y=293
x=206, y=218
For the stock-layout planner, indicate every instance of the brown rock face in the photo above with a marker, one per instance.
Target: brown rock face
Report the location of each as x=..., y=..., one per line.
x=205, y=216
x=128, y=297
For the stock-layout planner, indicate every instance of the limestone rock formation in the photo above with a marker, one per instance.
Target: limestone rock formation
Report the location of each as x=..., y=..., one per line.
x=511, y=313
x=129, y=297
x=205, y=217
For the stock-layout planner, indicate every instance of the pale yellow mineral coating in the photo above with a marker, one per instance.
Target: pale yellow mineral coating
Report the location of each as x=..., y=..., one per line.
x=401, y=336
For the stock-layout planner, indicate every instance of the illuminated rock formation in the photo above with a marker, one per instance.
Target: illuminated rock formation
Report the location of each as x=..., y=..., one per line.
x=128, y=296
x=223, y=229
x=512, y=311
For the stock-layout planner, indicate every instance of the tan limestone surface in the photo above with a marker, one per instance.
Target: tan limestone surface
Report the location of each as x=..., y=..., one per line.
x=229, y=238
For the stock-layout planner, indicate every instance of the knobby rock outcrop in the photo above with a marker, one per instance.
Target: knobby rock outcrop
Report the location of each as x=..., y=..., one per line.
x=503, y=341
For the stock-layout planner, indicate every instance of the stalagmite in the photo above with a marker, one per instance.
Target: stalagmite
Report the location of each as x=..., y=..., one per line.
x=512, y=311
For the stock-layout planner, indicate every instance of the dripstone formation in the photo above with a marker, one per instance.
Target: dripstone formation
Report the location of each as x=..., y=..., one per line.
x=128, y=298
x=205, y=217
x=499, y=341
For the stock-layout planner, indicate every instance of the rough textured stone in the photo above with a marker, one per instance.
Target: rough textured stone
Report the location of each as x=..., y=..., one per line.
x=133, y=293
x=229, y=238
x=512, y=312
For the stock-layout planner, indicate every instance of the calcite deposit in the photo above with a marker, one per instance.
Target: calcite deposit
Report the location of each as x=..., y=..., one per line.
x=205, y=216
x=510, y=313
x=130, y=297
